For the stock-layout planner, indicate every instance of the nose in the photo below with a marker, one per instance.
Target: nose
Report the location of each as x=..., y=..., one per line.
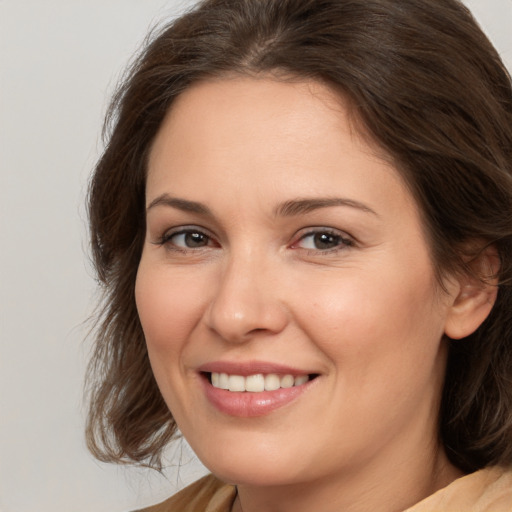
x=246, y=302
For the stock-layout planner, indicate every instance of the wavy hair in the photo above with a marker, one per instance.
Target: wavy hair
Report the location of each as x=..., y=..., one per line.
x=426, y=85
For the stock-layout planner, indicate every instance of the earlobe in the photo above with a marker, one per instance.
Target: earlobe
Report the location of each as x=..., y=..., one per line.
x=475, y=297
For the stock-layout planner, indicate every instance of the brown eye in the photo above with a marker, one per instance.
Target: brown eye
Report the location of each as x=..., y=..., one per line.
x=323, y=241
x=188, y=239
x=195, y=239
x=326, y=241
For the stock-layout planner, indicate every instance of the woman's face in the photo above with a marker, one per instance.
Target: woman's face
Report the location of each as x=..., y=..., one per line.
x=281, y=251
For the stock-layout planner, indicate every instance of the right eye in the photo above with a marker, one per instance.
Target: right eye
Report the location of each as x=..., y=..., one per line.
x=187, y=239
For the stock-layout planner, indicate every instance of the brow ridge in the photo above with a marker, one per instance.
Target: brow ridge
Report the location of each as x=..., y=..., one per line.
x=287, y=209
x=305, y=205
x=180, y=204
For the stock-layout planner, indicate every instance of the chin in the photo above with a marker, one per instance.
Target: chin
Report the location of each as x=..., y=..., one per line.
x=253, y=476
x=259, y=469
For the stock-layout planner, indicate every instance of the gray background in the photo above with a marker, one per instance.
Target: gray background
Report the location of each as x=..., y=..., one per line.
x=59, y=62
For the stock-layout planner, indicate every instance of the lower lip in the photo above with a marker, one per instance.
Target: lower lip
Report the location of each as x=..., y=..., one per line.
x=247, y=404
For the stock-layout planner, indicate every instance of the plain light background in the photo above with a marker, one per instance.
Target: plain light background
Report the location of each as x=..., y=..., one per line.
x=59, y=62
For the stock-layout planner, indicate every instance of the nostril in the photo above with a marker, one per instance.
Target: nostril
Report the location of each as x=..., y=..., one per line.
x=257, y=330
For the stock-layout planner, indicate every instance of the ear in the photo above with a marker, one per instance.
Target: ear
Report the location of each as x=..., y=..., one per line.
x=474, y=295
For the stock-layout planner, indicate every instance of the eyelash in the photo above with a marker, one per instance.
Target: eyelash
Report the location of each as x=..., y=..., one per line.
x=342, y=240
x=166, y=239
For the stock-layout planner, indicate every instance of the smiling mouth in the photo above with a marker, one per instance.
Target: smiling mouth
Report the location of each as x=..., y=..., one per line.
x=256, y=383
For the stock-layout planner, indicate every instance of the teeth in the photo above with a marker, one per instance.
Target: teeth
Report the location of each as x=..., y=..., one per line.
x=272, y=382
x=223, y=380
x=256, y=383
x=287, y=381
x=236, y=383
x=301, y=380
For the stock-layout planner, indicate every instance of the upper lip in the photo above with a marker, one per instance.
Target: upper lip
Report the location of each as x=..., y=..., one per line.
x=251, y=368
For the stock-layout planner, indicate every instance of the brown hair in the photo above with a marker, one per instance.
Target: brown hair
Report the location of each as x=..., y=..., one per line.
x=427, y=86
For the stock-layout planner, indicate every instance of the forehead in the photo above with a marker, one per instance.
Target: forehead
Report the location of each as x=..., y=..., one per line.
x=263, y=136
x=239, y=113
x=259, y=109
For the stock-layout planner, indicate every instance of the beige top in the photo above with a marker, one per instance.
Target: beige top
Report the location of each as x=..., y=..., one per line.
x=488, y=490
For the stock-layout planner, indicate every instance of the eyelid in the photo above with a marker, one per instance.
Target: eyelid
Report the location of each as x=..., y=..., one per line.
x=346, y=239
x=167, y=235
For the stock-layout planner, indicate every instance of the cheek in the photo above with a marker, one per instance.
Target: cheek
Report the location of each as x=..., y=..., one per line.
x=382, y=337
x=168, y=308
x=376, y=317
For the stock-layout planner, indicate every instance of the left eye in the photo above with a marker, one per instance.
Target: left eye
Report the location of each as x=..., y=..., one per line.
x=322, y=241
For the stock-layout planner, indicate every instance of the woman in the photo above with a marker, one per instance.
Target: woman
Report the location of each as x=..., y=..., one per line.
x=303, y=224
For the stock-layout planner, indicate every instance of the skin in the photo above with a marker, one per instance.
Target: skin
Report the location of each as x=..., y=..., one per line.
x=366, y=313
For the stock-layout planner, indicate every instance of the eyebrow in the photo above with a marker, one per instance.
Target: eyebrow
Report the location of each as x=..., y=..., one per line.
x=180, y=204
x=286, y=209
x=301, y=206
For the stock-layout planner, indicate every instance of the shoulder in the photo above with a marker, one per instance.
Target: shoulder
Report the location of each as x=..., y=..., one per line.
x=487, y=490
x=208, y=494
